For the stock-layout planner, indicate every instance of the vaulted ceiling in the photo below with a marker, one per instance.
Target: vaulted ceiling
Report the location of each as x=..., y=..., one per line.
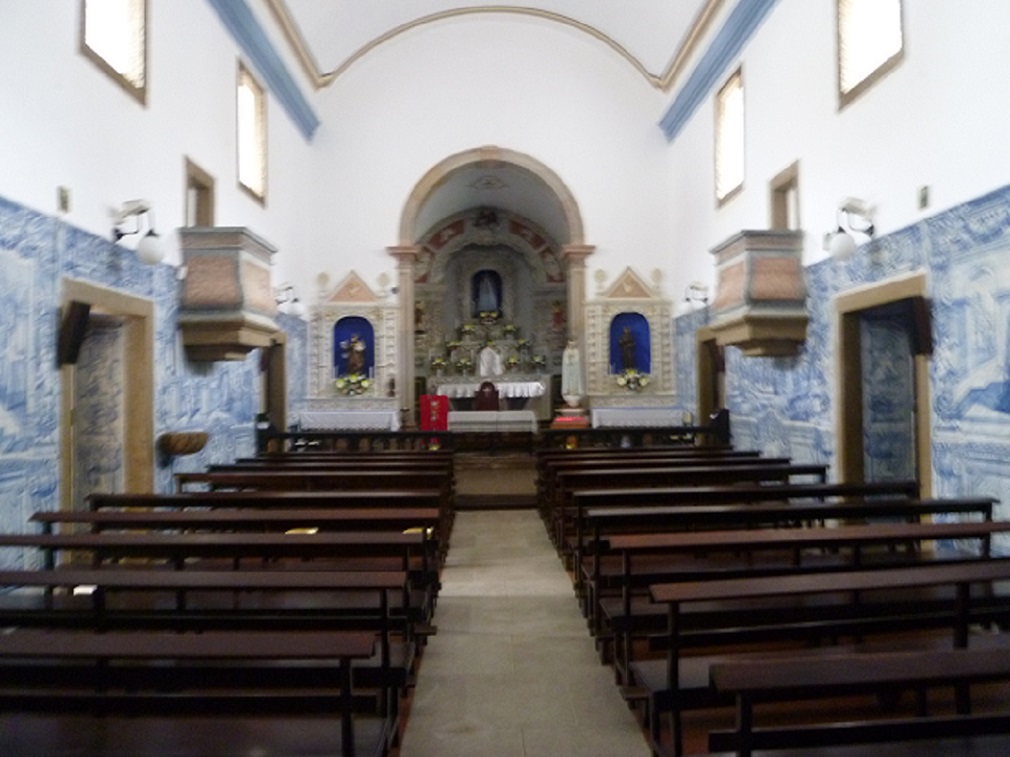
x=655, y=37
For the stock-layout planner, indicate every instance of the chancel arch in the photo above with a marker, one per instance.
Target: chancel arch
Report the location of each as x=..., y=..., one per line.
x=498, y=216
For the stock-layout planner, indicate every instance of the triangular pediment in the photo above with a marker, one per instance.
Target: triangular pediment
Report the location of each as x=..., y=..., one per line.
x=352, y=289
x=629, y=286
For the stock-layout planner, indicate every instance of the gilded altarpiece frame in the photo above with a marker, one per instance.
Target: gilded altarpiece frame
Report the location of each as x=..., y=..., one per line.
x=352, y=297
x=630, y=293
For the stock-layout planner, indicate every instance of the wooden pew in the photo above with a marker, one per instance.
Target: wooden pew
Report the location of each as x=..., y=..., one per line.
x=549, y=467
x=646, y=559
x=122, y=673
x=883, y=675
x=283, y=500
x=370, y=539
x=573, y=537
x=295, y=480
x=570, y=483
x=606, y=523
x=929, y=596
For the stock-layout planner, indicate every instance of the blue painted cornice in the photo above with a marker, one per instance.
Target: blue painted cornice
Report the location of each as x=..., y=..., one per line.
x=741, y=24
x=247, y=32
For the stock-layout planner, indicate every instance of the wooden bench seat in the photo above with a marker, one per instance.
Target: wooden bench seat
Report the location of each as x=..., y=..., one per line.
x=816, y=608
x=644, y=501
x=116, y=683
x=646, y=559
x=597, y=523
x=878, y=674
x=743, y=474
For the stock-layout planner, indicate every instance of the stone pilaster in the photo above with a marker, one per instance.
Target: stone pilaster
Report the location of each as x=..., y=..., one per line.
x=406, y=256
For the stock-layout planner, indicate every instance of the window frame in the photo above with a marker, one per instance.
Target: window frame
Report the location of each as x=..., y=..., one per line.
x=784, y=204
x=199, y=196
x=136, y=91
x=883, y=67
x=245, y=76
x=735, y=79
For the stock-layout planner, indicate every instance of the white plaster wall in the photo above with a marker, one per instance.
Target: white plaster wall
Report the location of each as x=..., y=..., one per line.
x=540, y=89
x=67, y=124
x=940, y=119
x=544, y=89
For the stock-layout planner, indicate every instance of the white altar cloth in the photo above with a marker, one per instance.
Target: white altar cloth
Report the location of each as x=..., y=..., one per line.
x=457, y=390
x=350, y=420
x=492, y=421
x=627, y=417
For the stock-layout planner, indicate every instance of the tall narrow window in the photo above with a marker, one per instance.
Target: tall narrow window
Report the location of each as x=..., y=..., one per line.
x=114, y=37
x=870, y=43
x=785, y=200
x=199, y=196
x=252, y=142
x=729, y=138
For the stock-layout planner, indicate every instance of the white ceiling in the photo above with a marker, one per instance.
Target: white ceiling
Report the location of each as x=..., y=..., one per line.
x=651, y=31
x=648, y=33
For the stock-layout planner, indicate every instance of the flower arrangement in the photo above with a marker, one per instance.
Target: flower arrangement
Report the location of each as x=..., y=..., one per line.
x=523, y=344
x=512, y=362
x=464, y=365
x=352, y=383
x=453, y=344
x=487, y=343
x=438, y=363
x=632, y=380
x=467, y=328
x=510, y=328
x=488, y=317
x=538, y=361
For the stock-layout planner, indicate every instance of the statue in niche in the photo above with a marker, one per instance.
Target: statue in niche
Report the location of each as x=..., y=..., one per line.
x=571, y=375
x=354, y=352
x=486, y=293
x=627, y=344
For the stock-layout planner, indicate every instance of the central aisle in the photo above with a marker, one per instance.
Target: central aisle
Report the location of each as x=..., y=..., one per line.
x=512, y=671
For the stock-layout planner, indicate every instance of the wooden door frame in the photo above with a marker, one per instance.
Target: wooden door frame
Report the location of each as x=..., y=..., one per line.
x=849, y=425
x=710, y=373
x=138, y=387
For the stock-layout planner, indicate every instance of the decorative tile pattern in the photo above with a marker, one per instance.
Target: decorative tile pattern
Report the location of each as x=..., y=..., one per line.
x=786, y=405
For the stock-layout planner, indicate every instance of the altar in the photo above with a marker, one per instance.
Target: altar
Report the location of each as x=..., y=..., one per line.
x=349, y=420
x=532, y=393
x=631, y=417
x=493, y=422
x=506, y=389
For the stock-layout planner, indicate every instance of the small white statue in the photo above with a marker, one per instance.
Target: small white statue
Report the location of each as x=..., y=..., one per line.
x=571, y=375
x=490, y=362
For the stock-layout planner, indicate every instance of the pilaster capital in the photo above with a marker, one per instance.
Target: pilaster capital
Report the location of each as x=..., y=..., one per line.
x=405, y=254
x=574, y=255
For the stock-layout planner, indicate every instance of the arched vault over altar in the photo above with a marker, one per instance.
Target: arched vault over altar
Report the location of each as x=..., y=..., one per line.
x=536, y=222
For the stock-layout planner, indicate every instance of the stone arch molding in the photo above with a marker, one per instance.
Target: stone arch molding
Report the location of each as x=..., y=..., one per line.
x=442, y=171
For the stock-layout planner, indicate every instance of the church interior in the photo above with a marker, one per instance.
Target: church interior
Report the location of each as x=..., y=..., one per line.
x=486, y=229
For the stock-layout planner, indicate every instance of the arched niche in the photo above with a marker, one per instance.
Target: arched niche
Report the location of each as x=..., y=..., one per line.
x=630, y=343
x=353, y=346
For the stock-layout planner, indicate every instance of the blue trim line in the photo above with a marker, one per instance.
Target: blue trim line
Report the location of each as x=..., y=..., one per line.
x=249, y=35
x=743, y=21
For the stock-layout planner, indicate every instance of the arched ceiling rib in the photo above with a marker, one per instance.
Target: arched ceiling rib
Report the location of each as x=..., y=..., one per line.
x=656, y=37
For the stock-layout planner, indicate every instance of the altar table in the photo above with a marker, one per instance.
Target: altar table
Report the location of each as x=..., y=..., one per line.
x=629, y=417
x=350, y=420
x=493, y=421
x=506, y=389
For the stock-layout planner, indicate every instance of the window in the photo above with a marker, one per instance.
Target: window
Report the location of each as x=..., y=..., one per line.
x=729, y=138
x=252, y=143
x=114, y=37
x=199, y=196
x=785, y=200
x=870, y=43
